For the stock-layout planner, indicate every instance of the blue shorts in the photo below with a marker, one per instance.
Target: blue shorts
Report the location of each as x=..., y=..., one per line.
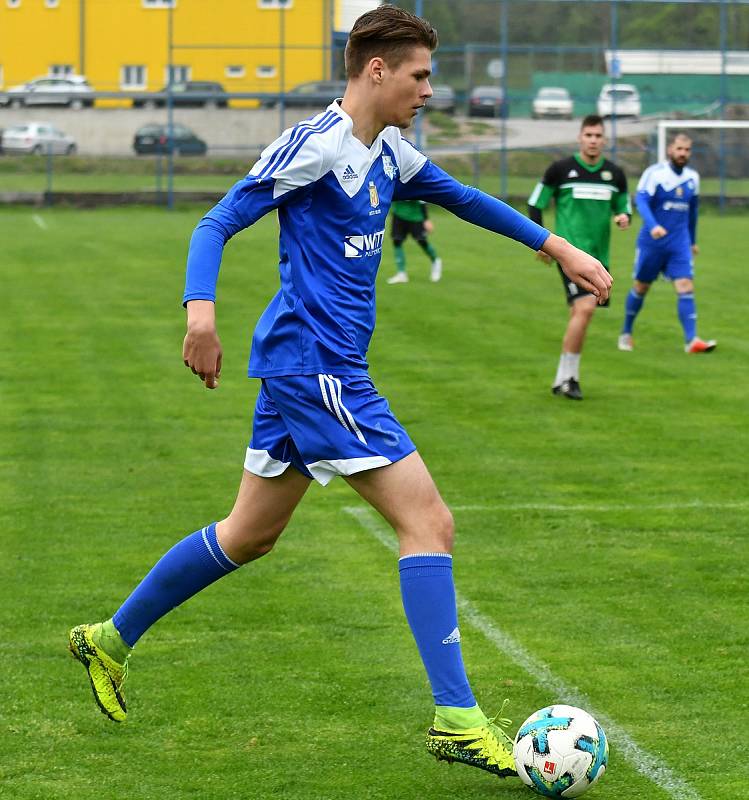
x=323, y=425
x=652, y=261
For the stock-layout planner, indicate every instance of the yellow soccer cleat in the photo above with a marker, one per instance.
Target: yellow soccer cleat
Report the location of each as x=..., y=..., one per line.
x=105, y=674
x=486, y=747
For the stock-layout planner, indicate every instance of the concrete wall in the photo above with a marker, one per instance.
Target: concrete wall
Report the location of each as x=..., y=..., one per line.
x=110, y=132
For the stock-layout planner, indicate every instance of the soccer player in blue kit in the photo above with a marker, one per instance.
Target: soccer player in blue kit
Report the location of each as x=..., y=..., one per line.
x=667, y=199
x=332, y=179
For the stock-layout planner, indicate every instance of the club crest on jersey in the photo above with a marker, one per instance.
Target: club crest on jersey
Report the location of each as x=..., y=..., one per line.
x=374, y=198
x=572, y=174
x=679, y=191
x=361, y=245
x=388, y=167
x=606, y=175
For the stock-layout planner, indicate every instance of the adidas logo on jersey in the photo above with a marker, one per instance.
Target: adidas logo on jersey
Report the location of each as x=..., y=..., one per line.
x=349, y=174
x=366, y=244
x=453, y=638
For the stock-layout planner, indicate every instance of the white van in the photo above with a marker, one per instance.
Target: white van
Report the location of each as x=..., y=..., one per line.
x=621, y=99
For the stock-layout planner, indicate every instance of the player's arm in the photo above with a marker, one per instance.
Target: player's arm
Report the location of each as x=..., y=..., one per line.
x=694, y=208
x=621, y=204
x=428, y=224
x=434, y=185
x=539, y=200
x=646, y=189
x=282, y=169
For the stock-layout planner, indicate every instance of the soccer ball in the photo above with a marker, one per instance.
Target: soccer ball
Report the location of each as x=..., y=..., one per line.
x=560, y=751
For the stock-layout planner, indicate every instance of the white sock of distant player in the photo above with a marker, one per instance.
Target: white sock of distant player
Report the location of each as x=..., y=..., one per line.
x=569, y=367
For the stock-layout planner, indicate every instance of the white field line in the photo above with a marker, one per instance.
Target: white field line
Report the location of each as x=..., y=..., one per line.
x=647, y=764
x=694, y=505
x=39, y=221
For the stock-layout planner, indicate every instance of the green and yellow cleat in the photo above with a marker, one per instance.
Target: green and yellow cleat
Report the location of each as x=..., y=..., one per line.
x=105, y=674
x=487, y=747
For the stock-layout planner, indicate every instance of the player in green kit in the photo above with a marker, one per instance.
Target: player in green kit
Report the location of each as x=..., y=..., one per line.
x=411, y=217
x=588, y=189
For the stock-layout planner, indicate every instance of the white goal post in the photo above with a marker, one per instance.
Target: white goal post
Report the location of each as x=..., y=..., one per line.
x=666, y=125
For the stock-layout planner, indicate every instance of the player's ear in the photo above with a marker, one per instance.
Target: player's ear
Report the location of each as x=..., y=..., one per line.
x=376, y=68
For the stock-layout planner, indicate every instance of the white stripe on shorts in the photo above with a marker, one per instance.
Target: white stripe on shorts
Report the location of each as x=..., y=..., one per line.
x=359, y=434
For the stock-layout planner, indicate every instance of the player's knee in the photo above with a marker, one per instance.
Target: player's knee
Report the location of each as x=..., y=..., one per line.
x=443, y=527
x=641, y=288
x=243, y=543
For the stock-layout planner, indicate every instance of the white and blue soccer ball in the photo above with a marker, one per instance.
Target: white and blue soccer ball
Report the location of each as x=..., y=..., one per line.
x=560, y=751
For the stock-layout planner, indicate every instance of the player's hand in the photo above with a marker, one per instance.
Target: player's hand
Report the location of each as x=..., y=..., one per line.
x=544, y=257
x=201, y=350
x=428, y=225
x=622, y=221
x=658, y=232
x=695, y=250
x=579, y=267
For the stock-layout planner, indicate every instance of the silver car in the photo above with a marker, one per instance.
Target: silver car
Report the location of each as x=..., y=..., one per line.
x=552, y=101
x=73, y=91
x=37, y=138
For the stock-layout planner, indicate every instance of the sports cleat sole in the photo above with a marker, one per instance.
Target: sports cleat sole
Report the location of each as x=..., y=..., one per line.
x=82, y=651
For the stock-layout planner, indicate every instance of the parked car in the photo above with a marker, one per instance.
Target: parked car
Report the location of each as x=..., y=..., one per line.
x=487, y=101
x=37, y=138
x=313, y=94
x=72, y=90
x=155, y=139
x=192, y=94
x=621, y=99
x=552, y=101
x=442, y=99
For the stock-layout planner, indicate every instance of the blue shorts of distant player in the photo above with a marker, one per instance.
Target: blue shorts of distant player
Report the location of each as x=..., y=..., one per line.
x=654, y=259
x=323, y=425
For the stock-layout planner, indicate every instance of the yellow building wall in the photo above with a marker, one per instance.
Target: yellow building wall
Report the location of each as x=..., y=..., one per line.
x=208, y=36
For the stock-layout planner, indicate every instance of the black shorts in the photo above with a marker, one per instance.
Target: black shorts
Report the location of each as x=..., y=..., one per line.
x=401, y=228
x=573, y=291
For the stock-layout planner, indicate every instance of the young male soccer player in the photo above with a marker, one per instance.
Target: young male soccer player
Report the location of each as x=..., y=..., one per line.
x=667, y=199
x=318, y=414
x=411, y=217
x=588, y=189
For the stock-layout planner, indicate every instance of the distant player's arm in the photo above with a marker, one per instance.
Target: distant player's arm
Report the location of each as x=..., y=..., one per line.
x=694, y=207
x=646, y=189
x=539, y=200
x=275, y=178
x=434, y=185
x=620, y=202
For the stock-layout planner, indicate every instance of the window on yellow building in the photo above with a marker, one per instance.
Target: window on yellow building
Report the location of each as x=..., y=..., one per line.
x=275, y=3
x=159, y=3
x=13, y=3
x=133, y=76
x=266, y=71
x=234, y=71
x=51, y=3
x=61, y=70
x=181, y=73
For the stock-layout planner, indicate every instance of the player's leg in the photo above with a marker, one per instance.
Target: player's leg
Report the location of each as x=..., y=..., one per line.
x=582, y=306
x=686, y=309
x=267, y=496
x=406, y=496
x=420, y=234
x=398, y=232
x=648, y=264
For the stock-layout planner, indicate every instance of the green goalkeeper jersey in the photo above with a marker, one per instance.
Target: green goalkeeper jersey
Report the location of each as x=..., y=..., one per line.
x=586, y=195
x=409, y=210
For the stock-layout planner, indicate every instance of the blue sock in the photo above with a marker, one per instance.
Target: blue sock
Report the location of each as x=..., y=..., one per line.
x=632, y=306
x=687, y=310
x=191, y=565
x=429, y=602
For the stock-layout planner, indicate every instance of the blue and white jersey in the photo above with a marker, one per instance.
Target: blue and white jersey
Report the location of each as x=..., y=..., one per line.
x=668, y=198
x=332, y=194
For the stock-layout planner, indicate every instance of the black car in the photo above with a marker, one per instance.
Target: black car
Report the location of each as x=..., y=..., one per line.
x=192, y=94
x=313, y=95
x=487, y=101
x=155, y=139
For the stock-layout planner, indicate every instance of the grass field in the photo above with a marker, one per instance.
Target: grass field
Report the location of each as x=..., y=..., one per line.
x=601, y=552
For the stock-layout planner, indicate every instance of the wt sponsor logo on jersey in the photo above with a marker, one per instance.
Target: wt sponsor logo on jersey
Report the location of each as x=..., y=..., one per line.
x=366, y=244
